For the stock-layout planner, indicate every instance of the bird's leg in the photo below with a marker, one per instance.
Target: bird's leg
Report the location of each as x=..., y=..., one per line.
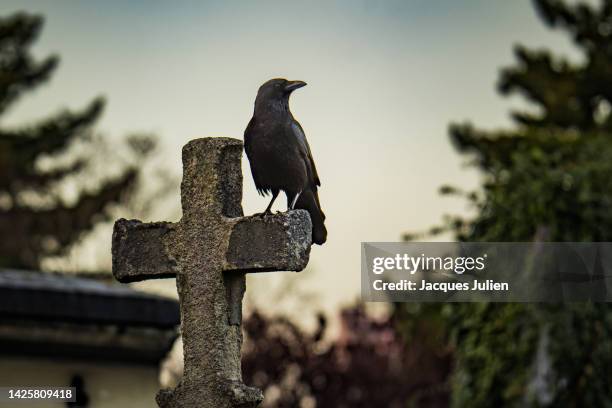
x=292, y=206
x=269, y=207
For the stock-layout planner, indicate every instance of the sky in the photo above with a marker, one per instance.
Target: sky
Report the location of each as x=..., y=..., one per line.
x=385, y=79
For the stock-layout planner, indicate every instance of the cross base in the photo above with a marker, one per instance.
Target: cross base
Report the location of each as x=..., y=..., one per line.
x=239, y=395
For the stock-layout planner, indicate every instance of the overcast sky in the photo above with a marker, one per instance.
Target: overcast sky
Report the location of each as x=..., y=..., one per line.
x=385, y=78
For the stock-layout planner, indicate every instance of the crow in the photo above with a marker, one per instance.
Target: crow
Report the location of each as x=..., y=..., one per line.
x=280, y=156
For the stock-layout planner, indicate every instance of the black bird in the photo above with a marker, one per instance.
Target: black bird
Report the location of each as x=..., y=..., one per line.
x=280, y=156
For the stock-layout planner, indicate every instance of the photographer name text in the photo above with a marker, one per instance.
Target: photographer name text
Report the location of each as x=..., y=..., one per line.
x=404, y=284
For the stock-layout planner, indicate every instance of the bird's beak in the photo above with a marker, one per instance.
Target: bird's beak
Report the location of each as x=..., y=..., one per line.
x=293, y=85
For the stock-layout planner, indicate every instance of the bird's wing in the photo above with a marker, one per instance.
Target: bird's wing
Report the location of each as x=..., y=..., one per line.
x=305, y=147
x=248, y=134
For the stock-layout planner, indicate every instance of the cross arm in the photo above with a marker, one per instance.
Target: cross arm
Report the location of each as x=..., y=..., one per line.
x=279, y=242
x=139, y=252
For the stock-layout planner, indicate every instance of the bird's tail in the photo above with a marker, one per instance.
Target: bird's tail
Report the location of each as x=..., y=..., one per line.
x=309, y=201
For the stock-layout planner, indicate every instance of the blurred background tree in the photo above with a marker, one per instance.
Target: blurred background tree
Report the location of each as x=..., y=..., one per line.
x=368, y=365
x=548, y=179
x=36, y=221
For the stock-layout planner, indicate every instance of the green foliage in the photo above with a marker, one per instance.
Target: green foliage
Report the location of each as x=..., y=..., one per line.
x=555, y=183
x=32, y=231
x=548, y=179
x=487, y=352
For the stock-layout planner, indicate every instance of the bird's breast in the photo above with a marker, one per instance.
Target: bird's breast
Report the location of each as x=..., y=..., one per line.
x=276, y=161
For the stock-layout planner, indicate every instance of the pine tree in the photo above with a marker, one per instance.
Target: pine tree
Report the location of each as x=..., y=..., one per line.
x=559, y=149
x=548, y=179
x=32, y=231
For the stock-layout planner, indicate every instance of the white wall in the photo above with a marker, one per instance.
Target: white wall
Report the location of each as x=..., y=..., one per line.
x=109, y=385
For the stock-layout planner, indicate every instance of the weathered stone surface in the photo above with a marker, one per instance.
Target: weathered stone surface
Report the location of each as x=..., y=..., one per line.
x=138, y=251
x=210, y=250
x=253, y=237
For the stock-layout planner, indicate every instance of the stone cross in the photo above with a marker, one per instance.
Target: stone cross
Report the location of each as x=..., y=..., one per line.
x=209, y=251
